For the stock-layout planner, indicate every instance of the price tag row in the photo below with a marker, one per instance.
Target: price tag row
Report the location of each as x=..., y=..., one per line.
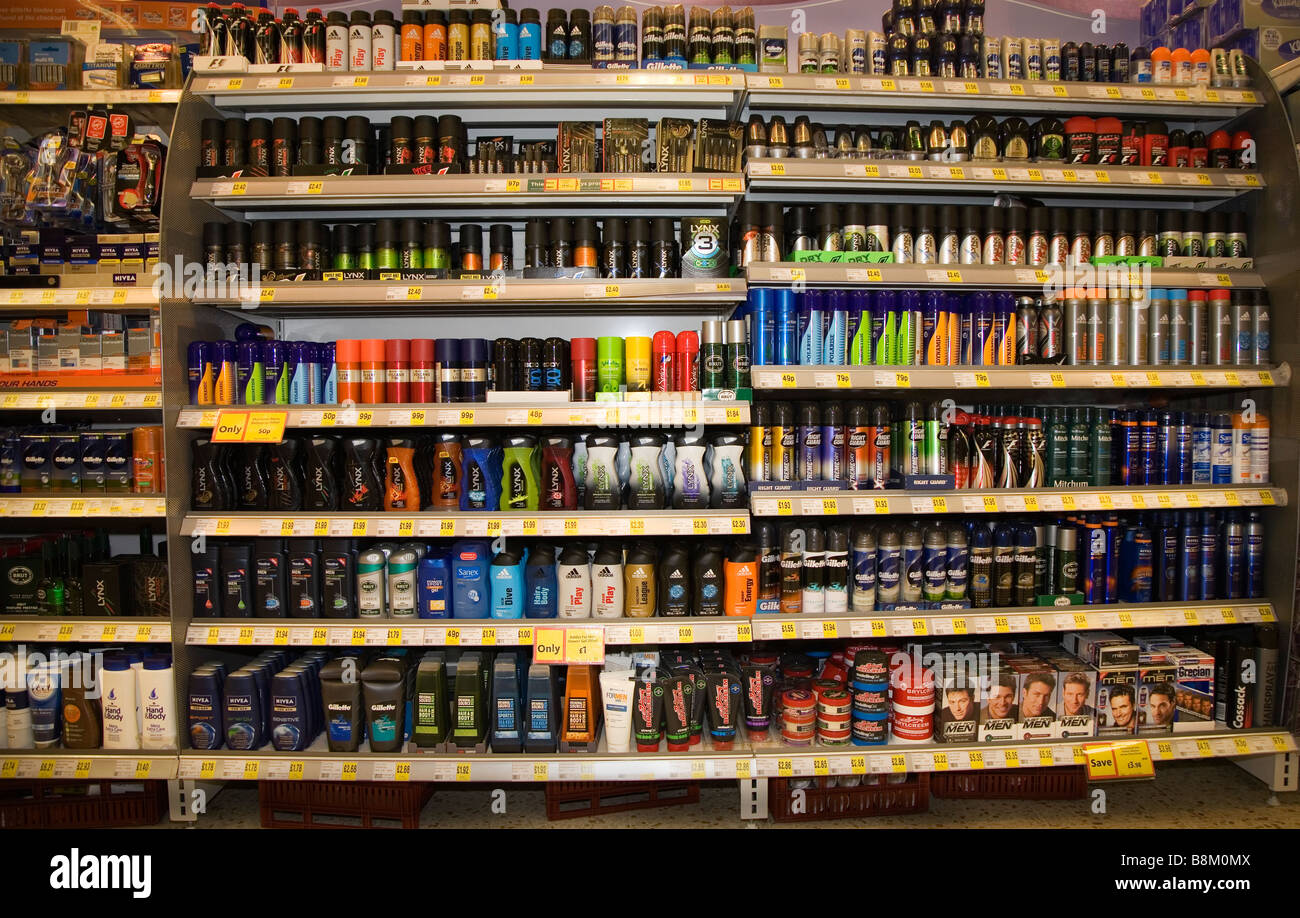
x=866, y=378
x=962, y=622
x=489, y=527
x=896, y=502
x=384, y=634
x=86, y=631
x=75, y=399
x=139, y=507
x=1083, y=177
x=767, y=762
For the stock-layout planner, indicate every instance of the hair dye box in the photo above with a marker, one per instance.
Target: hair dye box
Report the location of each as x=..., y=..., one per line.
x=1117, y=711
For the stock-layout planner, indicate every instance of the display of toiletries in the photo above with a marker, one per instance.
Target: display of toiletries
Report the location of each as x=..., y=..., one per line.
x=112, y=698
x=1079, y=559
x=77, y=574
x=449, y=471
x=56, y=459
x=256, y=369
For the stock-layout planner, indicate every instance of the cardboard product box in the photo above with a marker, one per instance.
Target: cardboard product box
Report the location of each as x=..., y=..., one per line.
x=1036, y=694
x=69, y=343
x=139, y=345
x=94, y=472
x=19, y=575
x=65, y=461
x=6, y=365
x=106, y=588
x=1229, y=16
x=1272, y=47
x=998, y=712
x=91, y=357
x=47, y=354
x=22, y=349
x=119, y=466
x=1076, y=706
x=1117, y=712
x=112, y=345
x=1195, y=689
x=1156, y=693
x=957, y=705
x=38, y=464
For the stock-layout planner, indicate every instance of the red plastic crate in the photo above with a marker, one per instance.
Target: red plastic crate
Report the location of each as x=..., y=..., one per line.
x=824, y=802
x=69, y=804
x=342, y=804
x=1066, y=783
x=573, y=799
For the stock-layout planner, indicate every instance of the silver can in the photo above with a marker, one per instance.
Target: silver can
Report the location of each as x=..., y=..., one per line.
x=1180, y=353
x=1117, y=321
x=1198, y=341
x=1076, y=332
x=1139, y=338
x=1158, y=332
x=1241, y=330
x=1221, y=346
x=1096, y=315
x=1261, y=333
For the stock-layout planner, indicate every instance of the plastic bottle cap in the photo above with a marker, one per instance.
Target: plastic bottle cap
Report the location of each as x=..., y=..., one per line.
x=372, y=350
x=447, y=350
x=687, y=342
x=422, y=349
x=638, y=349
x=1198, y=295
x=582, y=349
x=397, y=349
x=664, y=342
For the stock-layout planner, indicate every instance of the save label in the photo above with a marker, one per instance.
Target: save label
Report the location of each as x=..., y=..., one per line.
x=1109, y=761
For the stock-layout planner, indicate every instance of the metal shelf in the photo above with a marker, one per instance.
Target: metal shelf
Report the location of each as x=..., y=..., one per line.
x=303, y=197
x=83, y=764
x=1036, y=500
x=558, y=523
x=771, y=761
x=978, y=277
x=503, y=96
x=840, y=176
x=796, y=379
x=495, y=295
x=317, y=764
x=1026, y=620
x=873, y=93
x=71, y=398
x=455, y=632
x=134, y=630
x=746, y=761
x=71, y=295
x=33, y=507
x=665, y=413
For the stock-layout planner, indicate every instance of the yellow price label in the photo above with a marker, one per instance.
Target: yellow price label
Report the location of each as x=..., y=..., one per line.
x=1126, y=619
x=1067, y=502
x=451, y=637
x=1190, y=617
x=142, y=768
x=742, y=768
x=318, y=636
x=245, y=635
x=239, y=188
x=880, y=504
x=315, y=187
x=636, y=526
x=956, y=172
x=46, y=769
x=915, y=172
x=843, y=83
x=830, y=506
x=699, y=527
x=286, y=527
x=776, y=82
x=281, y=636
x=349, y=771
x=214, y=636
x=1229, y=616
x=1070, y=175
x=360, y=527
x=920, y=626
x=1035, y=623
x=1044, y=755
x=1000, y=623
x=403, y=772
x=1252, y=181
x=940, y=504
x=941, y=761
x=541, y=771
x=1242, y=747
x=1013, y=758
x=927, y=86
x=784, y=507
x=788, y=631
x=1080, y=620
x=9, y=768
x=982, y=380
x=463, y=771
x=358, y=637
x=778, y=168
x=959, y=626
x=990, y=504
x=297, y=770
x=363, y=81
x=784, y=767
x=1155, y=178
x=65, y=632
x=821, y=766
x=788, y=381
x=1000, y=175
x=1279, y=743
x=251, y=770
x=1266, y=497
x=842, y=381
x=830, y=630
x=858, y=764
x=686, y=634
x=898, y=763
x=393, y=637
x=613, y=290
x=1203, y=749
x=954, y=276
x=320, y=527
x=877, y=627
x=7, y=632
x=739, y=525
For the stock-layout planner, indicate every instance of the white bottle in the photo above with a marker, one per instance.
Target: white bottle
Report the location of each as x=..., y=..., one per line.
x=359, y=39
x=574, y=578
x=158, y=702
x=18, y=718
x=137, y=666
x=117, y=687
x=383, y=35
x=728, y=465
x=1259, y=449
x=607, y=584
x=336, y=45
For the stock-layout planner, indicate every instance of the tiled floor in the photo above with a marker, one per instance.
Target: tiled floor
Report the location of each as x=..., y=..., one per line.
x=1183, y=795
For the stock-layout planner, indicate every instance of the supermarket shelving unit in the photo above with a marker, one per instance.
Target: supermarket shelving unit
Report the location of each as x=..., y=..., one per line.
x=534, y=101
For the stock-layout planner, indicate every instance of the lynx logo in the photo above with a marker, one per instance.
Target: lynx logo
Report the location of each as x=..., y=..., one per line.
x=103, y=871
